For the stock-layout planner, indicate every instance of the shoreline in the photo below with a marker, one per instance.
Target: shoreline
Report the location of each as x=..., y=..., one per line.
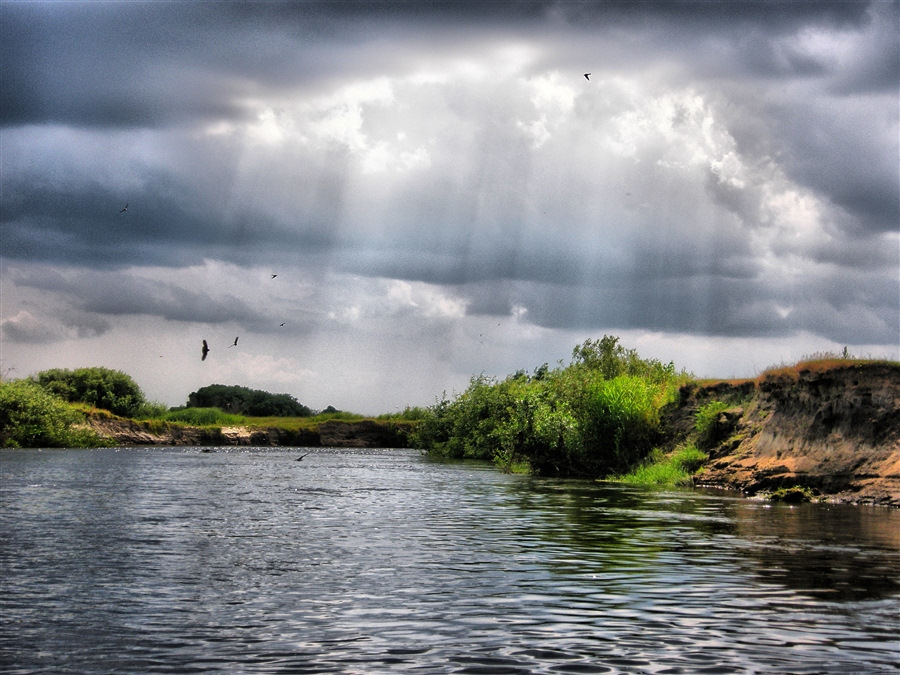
x=834, y=431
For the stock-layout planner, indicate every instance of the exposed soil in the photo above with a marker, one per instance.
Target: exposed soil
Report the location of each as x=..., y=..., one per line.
x=835, y=430
x=335, y=433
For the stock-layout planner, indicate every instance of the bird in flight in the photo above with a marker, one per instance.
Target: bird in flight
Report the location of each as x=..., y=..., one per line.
x=125, y=208
x=587, y=76
x=281, y=324
x=234, y=344
x=300, y=458
x=204, y=351
x=274, y=275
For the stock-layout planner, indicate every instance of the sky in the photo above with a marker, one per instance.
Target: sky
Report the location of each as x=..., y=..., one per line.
x=441, y=191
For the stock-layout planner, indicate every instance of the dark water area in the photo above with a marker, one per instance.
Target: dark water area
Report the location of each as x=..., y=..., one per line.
x=383, y=561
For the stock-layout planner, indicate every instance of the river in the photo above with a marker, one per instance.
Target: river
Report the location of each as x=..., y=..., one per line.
x=381, y=561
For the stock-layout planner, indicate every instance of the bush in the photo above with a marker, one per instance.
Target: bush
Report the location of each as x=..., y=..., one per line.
x=596, y=416
x=151, y=410
x=111, y=390
x=689, y=459
x=620, y=422
x=31, y=417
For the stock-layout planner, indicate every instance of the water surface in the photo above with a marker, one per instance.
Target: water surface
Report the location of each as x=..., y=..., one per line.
x=369, y=561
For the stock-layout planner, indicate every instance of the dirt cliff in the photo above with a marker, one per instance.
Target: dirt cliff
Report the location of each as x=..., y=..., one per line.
x=834, y=429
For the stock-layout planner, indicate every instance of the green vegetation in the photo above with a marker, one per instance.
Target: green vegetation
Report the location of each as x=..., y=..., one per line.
x=111, y=390
x=245, y=401
x=824, y=361
x=203, y=417
x=597, y=416
x=706, y=419
x=675, y=469
x=409, y=414
x=793, y=495
x=30, y=416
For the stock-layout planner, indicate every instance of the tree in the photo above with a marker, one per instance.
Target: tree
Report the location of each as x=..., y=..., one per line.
x=605, y=355
x=245, y=401
x=104, y=388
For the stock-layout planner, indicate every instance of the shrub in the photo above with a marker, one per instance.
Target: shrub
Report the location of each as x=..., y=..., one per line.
x=598, y=415
x=111, y=390
x=620, y=422
x=245, y=401
x=32, y=417
x=151, y=410
x=689, y=459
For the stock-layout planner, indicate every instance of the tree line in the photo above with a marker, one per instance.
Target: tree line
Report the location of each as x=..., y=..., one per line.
x=38, y=411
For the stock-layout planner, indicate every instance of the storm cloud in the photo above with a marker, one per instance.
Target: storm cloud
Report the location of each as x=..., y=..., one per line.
x=420, y=173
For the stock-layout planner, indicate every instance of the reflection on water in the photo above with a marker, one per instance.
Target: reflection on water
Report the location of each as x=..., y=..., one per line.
x=383, y=561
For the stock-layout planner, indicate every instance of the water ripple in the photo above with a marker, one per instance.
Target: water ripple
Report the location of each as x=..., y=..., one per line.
x=173, y=560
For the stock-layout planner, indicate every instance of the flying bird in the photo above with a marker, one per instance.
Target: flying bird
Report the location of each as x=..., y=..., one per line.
x=125, y=208
x=233, y=345
x=587, y=76
x=300, y=458
x=204, y=351
x=274, y=275
x=281, y=324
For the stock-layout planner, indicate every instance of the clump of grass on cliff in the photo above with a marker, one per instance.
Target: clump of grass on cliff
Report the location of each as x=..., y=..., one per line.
x=677, y=468
x=823, y=361
x=31, y=417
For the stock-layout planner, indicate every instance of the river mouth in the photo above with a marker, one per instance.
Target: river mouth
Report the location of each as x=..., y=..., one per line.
x=361, y=561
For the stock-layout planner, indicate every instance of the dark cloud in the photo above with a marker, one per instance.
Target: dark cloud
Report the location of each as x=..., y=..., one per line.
x=149, y=64
x=115, y=294
x=846, y=155
x=66, y=324
x=416, y=170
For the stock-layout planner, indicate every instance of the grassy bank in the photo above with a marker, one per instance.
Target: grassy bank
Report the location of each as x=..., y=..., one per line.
x=599, y=416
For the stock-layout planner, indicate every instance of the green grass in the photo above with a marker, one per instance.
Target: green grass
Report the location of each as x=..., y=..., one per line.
x=675, y=469
x=204, y=417
x=706, y=417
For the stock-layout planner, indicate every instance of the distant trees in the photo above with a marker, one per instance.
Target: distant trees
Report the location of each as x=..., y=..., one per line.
x=104, y=388
x=245, y=401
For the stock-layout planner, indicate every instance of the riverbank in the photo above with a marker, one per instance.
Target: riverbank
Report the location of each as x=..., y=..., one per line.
x=332, y=433
x=831, y=428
